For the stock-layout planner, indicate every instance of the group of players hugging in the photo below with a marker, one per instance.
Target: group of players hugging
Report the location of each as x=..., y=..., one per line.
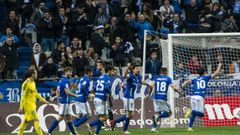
x=100, y=94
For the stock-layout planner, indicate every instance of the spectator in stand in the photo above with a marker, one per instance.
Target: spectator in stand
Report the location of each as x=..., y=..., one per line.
x=177, y=6
x=50, y=69
x=92, y=56
x=117, y=52
x=68, y=57
x=101, y=18
x=153, y=44
x=38, y=13
x=62, y=26
x=128, y=30
x=38, y=57
x=207, y=4
x=180, y=71
x=97, y=40
x=91, y=14
x=147, y=12
x=11, y=5
x=9, y=34
x=45, y=29
x=174, y=25
x=140, y=25
x=58, y=53
x=25, y=7
x=153, y=65
x=194, y=64
x=230, y=25
x=192, y=16
x=112, y=30
x=206, y=22
x=13, y=22
x=79, y=23
x=116, y=8
x=236, y=11
x=76, y=44
x=2, y=63
x=103, y=4
x=234, y=67
x=79, y=63
x=217, y=17
x=11, y=57
x=167, y=8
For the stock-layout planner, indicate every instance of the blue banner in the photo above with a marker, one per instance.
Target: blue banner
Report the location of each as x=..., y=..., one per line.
x=10, y=91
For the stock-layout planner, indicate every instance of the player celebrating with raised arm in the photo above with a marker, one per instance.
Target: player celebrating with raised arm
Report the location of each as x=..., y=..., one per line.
x=64, y=102
x=102, y=90
x=159, y=91
x=29, y=96
x=82, y=106
x=197, y=99
x=133, y=79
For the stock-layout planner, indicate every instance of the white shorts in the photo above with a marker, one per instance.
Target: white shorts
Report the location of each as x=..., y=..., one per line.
x=83, y=108
x=197, y=103
x=65, y=109
x=161, y=106
x=100, y=106
x=128, y=104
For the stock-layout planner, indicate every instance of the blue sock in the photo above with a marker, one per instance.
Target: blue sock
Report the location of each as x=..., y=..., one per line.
x=122, y=118
x=95, y=122
x=80, y=121
x=163, y=115
x=192, y=118
x=125, y=127
x=53, y=126
x=98, y=129
x=75, y=121
x=197, y=113
x=71, y=128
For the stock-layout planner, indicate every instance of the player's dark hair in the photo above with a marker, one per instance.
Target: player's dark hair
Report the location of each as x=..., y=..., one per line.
x=29, y=73
x=68, y=69
x=163, y=70
x=133, y=66
x=108, y=68
x=87, y=70
x=201, y=71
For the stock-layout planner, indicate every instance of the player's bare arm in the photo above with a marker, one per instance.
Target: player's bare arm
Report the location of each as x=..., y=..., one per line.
x=218, y=70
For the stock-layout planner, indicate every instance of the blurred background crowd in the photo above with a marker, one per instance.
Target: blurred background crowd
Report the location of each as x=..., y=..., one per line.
x=51, y=34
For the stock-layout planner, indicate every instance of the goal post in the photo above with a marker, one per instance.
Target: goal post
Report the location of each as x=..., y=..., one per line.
x=188, y=52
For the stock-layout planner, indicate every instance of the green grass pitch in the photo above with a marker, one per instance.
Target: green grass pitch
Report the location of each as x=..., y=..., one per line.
x=166, y=131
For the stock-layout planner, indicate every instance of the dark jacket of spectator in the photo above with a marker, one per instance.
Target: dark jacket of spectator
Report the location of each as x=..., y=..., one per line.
x=153, y=66
x=58, y=54
x=45, y=28
x=50, y=69
x=79, y=64
x=117, y=53
x=98, y=42
x=79, y=23
x=11, y=56
x=62, y=25
x=13, y=22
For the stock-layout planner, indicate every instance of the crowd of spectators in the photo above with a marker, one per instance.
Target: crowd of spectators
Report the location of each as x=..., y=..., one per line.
x=79, y=33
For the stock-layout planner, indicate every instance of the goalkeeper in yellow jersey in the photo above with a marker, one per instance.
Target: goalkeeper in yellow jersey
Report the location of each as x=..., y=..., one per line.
x=29, y=96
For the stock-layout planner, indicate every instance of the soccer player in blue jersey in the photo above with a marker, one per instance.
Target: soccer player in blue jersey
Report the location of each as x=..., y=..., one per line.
x=64, y=102
x=197, y=99
x=159, y=91
x=102, y=90
x=82, y=106
x=133, y=79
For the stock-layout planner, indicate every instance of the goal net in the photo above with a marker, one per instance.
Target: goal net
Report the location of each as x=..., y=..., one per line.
x=183, y=54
